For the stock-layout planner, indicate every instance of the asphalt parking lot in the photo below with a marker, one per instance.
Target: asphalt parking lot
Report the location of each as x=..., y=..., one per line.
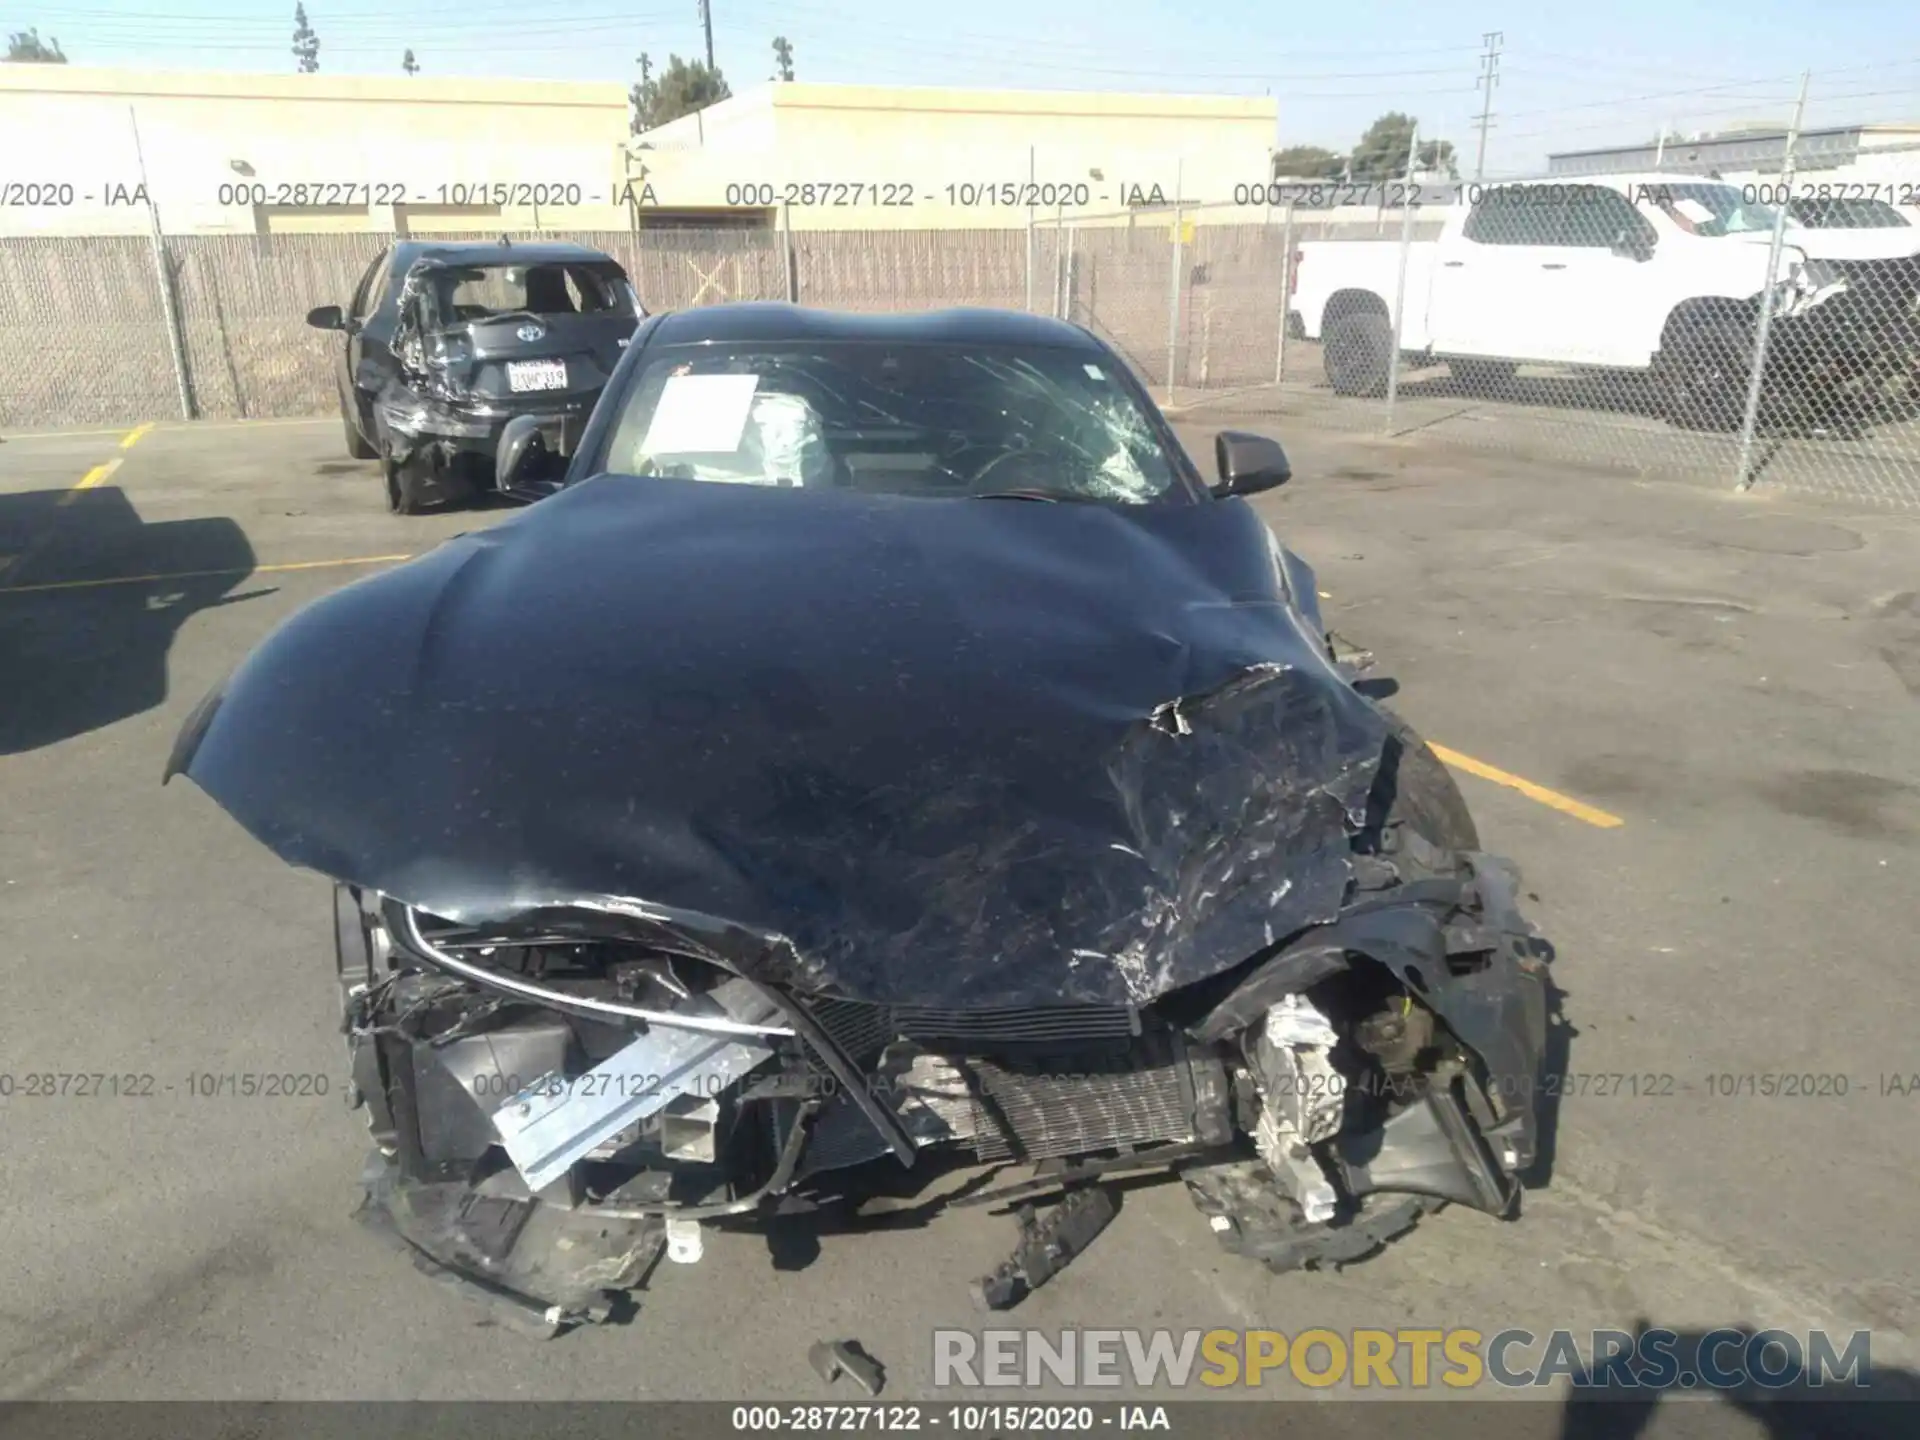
x=1689, y=717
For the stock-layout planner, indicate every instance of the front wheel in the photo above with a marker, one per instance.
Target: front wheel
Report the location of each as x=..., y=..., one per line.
x=1702, y=372
x=1421, y=793
x=1356, y=353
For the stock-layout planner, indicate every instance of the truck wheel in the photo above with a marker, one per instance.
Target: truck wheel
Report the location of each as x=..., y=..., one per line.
x=1356, y=351
x=1481, y=376
x=1702, y=372
x=357, y=445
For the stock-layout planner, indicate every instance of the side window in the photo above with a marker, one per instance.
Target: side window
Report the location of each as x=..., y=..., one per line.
x=1595, y=216
x=367, y=295
x=1516, y=215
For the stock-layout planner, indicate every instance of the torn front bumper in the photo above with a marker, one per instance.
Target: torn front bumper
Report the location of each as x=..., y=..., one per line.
x=547, y=1159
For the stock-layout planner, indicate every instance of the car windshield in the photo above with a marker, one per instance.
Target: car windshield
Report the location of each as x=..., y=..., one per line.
x=478, y=292
x=1710, y=209
x=929, y=419
x=1818, y=213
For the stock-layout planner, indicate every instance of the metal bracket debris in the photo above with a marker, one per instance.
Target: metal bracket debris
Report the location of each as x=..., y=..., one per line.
x=833, y=1358
x=1047, y=1246
x=1069, y=1175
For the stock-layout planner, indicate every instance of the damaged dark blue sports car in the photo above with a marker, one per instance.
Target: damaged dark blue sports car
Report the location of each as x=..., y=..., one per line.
x=881, y=750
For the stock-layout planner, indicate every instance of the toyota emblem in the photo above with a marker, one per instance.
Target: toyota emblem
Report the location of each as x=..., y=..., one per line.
x=531, y=331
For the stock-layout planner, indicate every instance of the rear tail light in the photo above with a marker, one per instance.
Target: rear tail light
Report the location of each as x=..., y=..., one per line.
x=1293, y=273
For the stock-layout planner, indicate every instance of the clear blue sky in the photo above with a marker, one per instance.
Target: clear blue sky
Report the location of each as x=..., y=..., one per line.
x=1570, y=76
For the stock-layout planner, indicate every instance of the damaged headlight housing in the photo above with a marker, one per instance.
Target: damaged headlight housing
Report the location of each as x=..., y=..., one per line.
x=1809, y=282
x=1817, y=275
x=1785, y=296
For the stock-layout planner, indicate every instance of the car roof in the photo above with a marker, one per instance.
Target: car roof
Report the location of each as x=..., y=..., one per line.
x=492, y=252
x=762, y=320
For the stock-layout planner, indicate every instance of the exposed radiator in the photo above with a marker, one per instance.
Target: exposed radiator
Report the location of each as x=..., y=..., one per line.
x=1050, y=1116
x=1034, y=1112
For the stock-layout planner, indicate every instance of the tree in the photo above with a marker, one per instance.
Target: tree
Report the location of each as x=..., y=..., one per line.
x=1382, y=151
x=306, y=44
x=682, y=88
x=409, y=64
x=640, y=97
x=26, y=47
x=1436, y=157
x=1309, y=162
x=783, y=57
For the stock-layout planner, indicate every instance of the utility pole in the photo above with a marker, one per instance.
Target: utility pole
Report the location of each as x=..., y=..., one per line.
x=1489, y=77
x=706, y=23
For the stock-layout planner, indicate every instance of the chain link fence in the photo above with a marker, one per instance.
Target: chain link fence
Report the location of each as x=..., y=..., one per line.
x=1738, y=332
x=89, y=324
x=1753, y=333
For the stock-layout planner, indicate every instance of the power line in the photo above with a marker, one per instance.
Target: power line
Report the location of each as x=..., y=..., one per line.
x=1489, y=77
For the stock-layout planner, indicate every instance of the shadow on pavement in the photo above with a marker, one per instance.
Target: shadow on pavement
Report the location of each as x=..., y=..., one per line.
x=75, y=658
x=1800, y=1398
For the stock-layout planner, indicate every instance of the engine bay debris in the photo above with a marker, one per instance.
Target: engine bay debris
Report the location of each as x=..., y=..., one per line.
x=833, y=1358
x=1048, y=1244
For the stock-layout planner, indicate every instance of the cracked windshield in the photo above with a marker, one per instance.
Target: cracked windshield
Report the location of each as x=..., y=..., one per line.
x=916, y=420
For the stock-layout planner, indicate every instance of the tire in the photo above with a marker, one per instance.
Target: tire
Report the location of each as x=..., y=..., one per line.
x=1702, y=372
x=401, y=498
x=1356, y=352
x=1481, y=376
x=1421, y=794
x=357, y=445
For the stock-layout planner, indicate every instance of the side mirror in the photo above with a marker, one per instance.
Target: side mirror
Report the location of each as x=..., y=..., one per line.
x=327, y=317
x=1248, y=464
x=523, y=461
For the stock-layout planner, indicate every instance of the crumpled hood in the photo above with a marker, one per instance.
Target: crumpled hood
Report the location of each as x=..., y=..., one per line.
x=927, y=751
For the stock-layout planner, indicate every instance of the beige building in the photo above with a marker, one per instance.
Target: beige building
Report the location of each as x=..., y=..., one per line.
x=256, y=154
x=246, y=154
x=887, y=157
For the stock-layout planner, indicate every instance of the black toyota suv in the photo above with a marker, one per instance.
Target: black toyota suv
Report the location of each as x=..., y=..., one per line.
x=446, y=342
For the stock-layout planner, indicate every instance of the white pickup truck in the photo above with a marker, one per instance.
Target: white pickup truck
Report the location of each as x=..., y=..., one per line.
x=1661, y=274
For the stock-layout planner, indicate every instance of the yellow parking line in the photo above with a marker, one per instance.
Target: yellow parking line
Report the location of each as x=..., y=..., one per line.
x=93, y=477
x=1553, y=799
x=203, y=574
x=132, y=437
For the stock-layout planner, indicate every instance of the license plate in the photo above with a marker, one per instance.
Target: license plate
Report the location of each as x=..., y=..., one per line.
x=536, y=375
